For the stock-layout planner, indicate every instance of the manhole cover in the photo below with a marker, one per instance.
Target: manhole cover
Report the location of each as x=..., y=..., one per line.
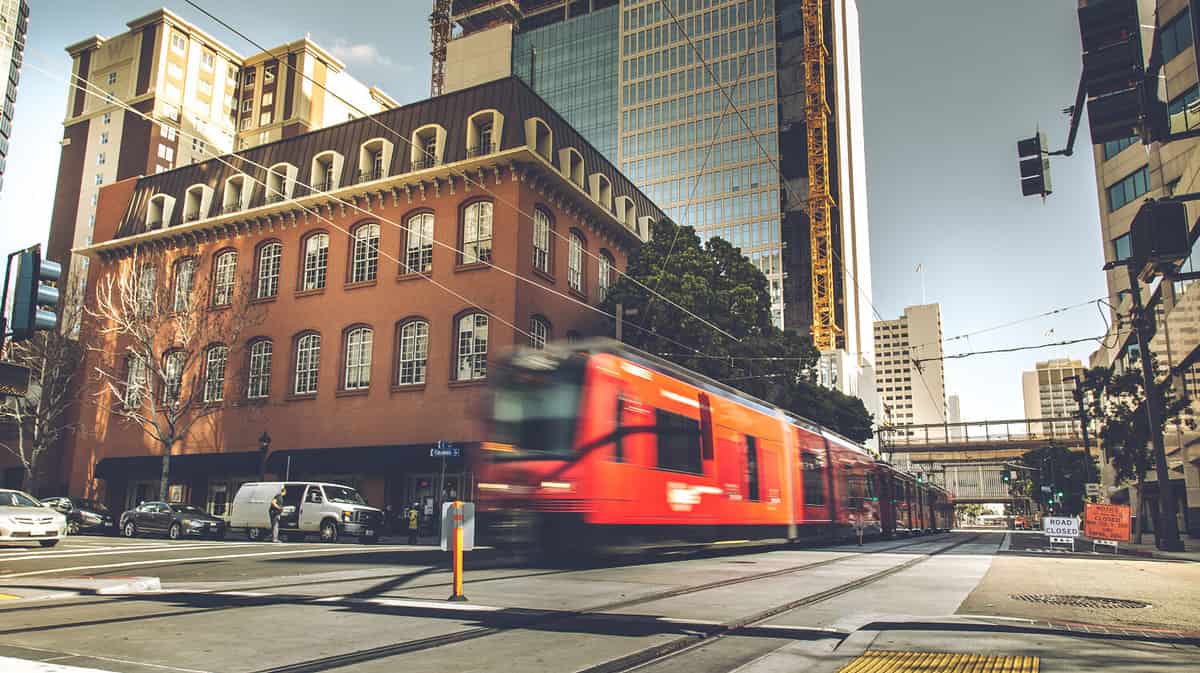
x=1080, y=601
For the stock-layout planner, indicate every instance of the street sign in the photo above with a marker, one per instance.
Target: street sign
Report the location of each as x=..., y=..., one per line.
x=1106, y=522
x=1045, y=489
x=466, y=520
x=1061, y=526
x=14, y=379
x=445, y=450
x=1092, y=489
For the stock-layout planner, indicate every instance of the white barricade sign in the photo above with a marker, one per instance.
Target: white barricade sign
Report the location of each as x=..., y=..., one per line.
x=1061, y=526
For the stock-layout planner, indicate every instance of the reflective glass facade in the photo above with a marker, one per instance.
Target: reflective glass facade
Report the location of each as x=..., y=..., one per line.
x=682, y=142
x=573, y=65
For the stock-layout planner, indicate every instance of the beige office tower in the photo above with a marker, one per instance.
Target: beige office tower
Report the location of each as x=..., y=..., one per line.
x=910, y=374
x=1049, y=393
x=203, y=97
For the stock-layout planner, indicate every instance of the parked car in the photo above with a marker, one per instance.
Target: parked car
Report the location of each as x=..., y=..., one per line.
x=330, y=510
x=172, y=519
x=83, y=515
x=24, y=519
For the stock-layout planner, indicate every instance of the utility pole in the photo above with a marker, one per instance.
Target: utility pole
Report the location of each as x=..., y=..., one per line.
x=620, y=314
x=1083, y=427
x=1166, y=526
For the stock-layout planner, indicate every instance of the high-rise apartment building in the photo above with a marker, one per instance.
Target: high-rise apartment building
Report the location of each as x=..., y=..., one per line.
x=909, y=366
x=628, y=76
x=1049, y=392
x=14, y=25
x=204, y=98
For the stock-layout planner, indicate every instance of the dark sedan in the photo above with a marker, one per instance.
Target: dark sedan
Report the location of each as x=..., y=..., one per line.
x=83, y=515
x=173, y=520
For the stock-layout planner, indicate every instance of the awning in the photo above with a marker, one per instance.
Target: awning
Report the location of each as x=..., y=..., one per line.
x=183, y=465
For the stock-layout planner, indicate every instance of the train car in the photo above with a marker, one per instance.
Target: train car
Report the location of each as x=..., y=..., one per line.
x=942, y=508
x=596, y=445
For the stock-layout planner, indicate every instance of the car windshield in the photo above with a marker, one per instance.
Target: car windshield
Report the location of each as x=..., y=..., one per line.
x=17, y=499
x=186, y=509
x=344, y=494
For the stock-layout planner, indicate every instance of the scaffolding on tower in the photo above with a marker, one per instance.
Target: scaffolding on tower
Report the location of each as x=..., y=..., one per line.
x=820, y=204
x=439, y=28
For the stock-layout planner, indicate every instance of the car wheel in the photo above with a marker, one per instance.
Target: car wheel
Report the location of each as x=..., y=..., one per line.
x=130, y=530
x=175, y=532
x=254, y=534
x=73, y=528
x=329, y=531
x=47, y=543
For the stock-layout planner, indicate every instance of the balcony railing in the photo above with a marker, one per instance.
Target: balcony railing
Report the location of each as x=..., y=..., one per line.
x=367, y=176
x=153, y=224
x=191, y=217
x=325, y=185
x=481, y=150
x=231, y=208
x=274, y=197
x=421, y=163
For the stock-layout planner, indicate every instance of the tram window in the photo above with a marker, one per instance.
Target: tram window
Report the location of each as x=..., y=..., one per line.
x=678, y=442
x=619, y=434
x=752, y=468
x=814, y=480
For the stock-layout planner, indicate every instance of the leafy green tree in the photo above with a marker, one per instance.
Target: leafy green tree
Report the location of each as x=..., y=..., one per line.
x=1063, y=470
x=1117, y=403
x=717, y=283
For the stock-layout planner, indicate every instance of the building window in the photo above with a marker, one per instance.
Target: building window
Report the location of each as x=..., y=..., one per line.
x=248, y=105
x=1128, y=189
x=173, y=376
x=198, y=146
x=1183, y=112
x=308, y=361
x=269, y=259
x=541, y=240
x=572, y=337
x=223, y=278
x=135, y=381
x=604, y=273
x=214, y=373
x=169, y=132
x=575, y=247
x=477, y=233
x=166, y=153
x=147, y=282
x=268, y=74
x=1122, y=248
x=471, y=347
x=185, y=279
x=208, y=59
x=258, y=383
x=100, y=159
x=178, y=42
x=364, y=264
x=268, y=98
x=358, y=358
x=418, y=245
x=1176, y=35
x=99, y=179
x=316, y=261
x=106, y=118
x=414, y=352
x=112, y=78
x=539, y=332
x=104, y=137
x=264, y=119
x=248, y=78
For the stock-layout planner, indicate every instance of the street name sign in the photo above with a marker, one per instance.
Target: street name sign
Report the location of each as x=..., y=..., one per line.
x=1106, y=522
x=445, y=450
x=1061, y=526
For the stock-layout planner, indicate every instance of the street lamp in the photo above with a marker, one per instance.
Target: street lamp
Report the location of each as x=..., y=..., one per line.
x=264, y=446
x=1077, y=392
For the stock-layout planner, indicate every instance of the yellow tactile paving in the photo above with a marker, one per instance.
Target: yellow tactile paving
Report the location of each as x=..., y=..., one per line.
x=882, y=661
x=9, y=597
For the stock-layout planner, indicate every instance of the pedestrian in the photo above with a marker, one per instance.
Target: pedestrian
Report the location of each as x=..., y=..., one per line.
x=413, y=521
x=276, y=511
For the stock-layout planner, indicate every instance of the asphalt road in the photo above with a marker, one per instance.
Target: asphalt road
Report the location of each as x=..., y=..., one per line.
x=258, y=607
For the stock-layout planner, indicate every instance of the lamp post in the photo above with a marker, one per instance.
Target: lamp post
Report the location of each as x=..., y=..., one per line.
x=1077, y=392
x=264, y=446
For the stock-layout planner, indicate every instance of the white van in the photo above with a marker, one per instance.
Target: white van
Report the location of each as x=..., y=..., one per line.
x=330, y=510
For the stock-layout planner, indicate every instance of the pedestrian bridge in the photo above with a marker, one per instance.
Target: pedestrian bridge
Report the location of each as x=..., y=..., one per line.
x=969, y=459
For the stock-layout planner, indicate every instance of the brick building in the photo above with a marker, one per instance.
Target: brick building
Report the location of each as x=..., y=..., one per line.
x=374, y=339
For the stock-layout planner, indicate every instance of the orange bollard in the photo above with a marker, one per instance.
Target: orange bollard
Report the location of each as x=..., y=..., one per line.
x=458, y=553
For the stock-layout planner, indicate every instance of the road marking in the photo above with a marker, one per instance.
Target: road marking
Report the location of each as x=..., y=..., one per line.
x=197, y=559
x=117, y=551
x=10, y=664
x=409, y=603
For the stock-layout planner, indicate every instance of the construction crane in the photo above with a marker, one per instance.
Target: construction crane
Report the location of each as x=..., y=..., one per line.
x=820, y=204
x=439, y=28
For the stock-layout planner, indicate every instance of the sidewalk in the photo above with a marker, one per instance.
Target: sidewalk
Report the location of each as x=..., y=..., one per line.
x=1191, y=550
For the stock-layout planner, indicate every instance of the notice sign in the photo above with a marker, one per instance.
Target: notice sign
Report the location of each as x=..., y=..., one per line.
x=1061, y=526
x=1106, y=522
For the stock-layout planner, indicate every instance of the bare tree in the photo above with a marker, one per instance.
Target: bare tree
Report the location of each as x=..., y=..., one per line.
x=164, y=341
x=36, y=423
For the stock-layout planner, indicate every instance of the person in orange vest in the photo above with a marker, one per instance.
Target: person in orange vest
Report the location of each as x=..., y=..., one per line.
x=413, y=523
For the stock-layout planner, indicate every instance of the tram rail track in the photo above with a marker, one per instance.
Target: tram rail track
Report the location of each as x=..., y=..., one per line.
x=642, y=657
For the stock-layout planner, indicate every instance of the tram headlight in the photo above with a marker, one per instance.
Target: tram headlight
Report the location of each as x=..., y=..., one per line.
x=557, y=485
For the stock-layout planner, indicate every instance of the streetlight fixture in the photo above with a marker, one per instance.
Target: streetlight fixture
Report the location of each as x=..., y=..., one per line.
x=264, y=446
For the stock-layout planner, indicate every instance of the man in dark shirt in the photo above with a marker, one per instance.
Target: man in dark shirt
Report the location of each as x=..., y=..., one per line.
x=276, y=510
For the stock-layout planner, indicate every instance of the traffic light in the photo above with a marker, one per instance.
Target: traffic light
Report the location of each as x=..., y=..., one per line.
x=1119, y=100
x=1005, y=476
x=1034, y=156
x=1159, y=233
x=33, y=300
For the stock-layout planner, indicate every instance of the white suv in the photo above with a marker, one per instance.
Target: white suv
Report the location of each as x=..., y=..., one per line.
x=24, y=519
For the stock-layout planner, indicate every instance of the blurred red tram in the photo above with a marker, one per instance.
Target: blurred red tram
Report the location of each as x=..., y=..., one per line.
x=599, y=446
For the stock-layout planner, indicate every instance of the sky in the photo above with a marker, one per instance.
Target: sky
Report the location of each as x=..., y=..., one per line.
x=949, y=87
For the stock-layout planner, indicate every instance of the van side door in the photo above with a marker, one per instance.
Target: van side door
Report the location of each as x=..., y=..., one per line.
x=311, y=508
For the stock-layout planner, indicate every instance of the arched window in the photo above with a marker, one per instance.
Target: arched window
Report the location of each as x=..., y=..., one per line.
x=414, y=353
x=358, y=358
x=477, y=233
x=539, y=332
x=418, y=244
x=471, y=343
x=316, y=261
x=541, y=240
x=308, y=362
x=258, y=382
x=604, y=277
x=364, y=261
x=173, y=363
x=185, y=280
x=224, y=273
x=147, y=286
x=575, y=247
x=215, y=359
x=270, y=256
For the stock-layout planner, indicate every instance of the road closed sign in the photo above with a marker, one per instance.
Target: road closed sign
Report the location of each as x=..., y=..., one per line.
x=1106, y=522
x=1060, y=526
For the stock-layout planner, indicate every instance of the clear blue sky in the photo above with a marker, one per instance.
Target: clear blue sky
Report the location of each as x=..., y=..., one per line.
x=950, y=85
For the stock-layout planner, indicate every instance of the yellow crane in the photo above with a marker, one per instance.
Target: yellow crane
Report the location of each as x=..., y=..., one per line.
x=820, y=204
x=439, y=28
